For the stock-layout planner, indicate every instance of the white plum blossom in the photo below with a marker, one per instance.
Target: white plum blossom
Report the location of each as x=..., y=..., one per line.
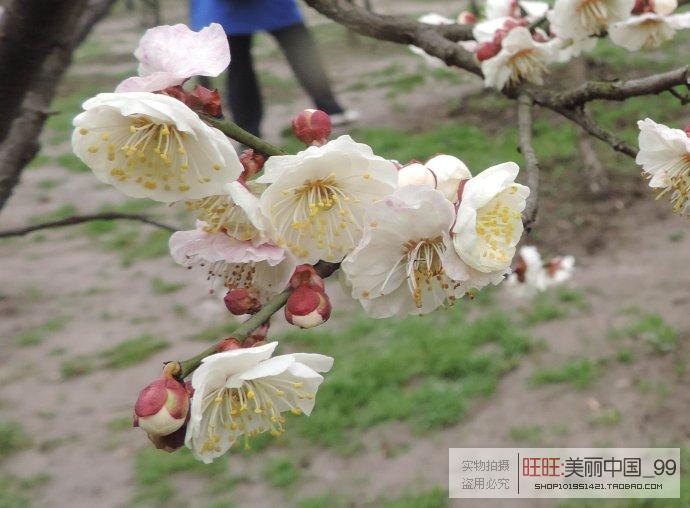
x=237, y=263
x=405, y=263
x=521, y=58
x=653, y=26
x=579, y=19
x=442, y=172
x=513, y=9
x=489, y=222
x=169, y=55
x=242, y=392
x=316, y=199
x=665, y=157
x=236, y=211
x=153, y=146
x=531, y=275
x=567, y=49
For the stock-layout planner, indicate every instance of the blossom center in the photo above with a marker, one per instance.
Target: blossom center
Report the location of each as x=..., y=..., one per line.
x=148, y=153
x=496, y=226
x=593, y=15
x=317, y=209
x=678, y=190
x=220, y=213
x=526, y=65
x=424, y=265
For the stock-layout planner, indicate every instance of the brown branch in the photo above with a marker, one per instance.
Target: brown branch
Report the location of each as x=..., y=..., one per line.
x=618, y=90
x=588, y=124
x=525, y=104
x=80, y=219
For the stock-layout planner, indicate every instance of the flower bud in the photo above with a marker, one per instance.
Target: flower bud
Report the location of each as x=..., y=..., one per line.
x=171, y=442
x=307, y=307
x=252, y=162
x=305, y=275
x=229, y=345
x=312, y=127
x=663, y=7
x=242, y=301
x=162, y=407
x=687, y=131
x=416, y=174
x=488, y=50
x=466, y=18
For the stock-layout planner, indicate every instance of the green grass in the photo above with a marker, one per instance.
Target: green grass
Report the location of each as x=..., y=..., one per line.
x=49, y=183
x=421, y=370
x=544, y=308
x=13, y=439
x=38, y=334
x=280, y=472
x=155, y=473
x=161, y=287
x=652, y=329
x=433, y=498
x=125, y=354
x=215, y=333
x=137, y=244
x=606, y=418
x=72, y=163
x=578, y=373
x=15, y=491
x=62, y=212
x=38, y=161
x=531, y=434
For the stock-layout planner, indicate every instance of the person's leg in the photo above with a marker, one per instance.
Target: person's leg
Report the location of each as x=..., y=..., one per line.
x=300, y=50
x=244, y=95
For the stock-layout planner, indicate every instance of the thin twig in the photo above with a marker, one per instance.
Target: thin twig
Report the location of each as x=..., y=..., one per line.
x=525, y=104
x=80, y=219
x=234, y=131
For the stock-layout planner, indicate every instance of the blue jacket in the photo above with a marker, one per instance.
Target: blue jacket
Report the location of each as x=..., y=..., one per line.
x=243, y=17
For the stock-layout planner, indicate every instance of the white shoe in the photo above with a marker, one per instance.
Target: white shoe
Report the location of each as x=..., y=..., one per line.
x=346, y=117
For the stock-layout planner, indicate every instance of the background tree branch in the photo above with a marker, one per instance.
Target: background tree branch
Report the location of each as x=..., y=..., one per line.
x=525, y=104
x=20, y=143
x=80, y=219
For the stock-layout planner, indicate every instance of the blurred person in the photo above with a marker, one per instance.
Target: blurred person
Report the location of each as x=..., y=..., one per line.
x=241, y=19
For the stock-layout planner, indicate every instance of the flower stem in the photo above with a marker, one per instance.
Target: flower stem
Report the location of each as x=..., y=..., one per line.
x=234, y=131
x=186, y=367
x=240, y=333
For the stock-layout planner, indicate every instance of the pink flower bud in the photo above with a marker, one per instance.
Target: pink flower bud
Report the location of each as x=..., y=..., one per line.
x=687, y=130
x=252, y=162
x=307, y=307
x=229, y=345
x=487, y=50
x=416, y=174
x=242, y=301
x=306, y=275
x=312, y=127
x=466, y=18
x=162, y=407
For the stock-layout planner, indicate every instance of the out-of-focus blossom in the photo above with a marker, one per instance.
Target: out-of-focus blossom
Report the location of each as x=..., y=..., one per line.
x=579, y=19
x=665, y=157
x=242, y=392
x=153, y=146
x=437, y=20
x=514, y=9
x=169, y=55
x=653, y=24
x=316, y=199
x=531, y=275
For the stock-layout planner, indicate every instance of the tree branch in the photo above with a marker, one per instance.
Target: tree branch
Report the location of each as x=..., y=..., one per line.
x=588, y=124
x=234, y=131
x=525, y=104
x=80, y=219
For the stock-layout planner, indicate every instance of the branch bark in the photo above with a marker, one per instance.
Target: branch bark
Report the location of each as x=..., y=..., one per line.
x=525, y=104
x=80, y=219
x=21, y=141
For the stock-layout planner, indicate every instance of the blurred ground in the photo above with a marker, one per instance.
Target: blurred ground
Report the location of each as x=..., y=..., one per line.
x=88, y=314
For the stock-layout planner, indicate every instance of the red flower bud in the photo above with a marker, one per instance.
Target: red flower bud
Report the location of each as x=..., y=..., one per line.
x=687, y=130
x=312, y=127
x=242, y=301
x=306, y=275
x=487, y=50
x=162, y=407
x=467, y=18
x=307, y=307
x=253, y=162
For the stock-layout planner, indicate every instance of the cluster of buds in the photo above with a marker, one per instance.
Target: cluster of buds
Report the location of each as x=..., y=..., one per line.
x=162, y=411
x=201, y=99
x=491, y=48
x=308, y=304
x=312, y=127
x=242, y=301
